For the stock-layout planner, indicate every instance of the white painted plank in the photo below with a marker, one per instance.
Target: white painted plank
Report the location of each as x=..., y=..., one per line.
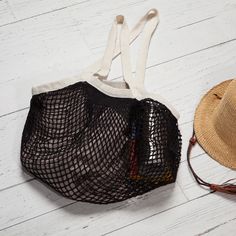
x=223, y=228
x=26, y=201
x=49, y=48
x=40, y=51
x=193, y=218
x=176, y=11
x=186, y=132
x=11, y=128
x=6, y=14
x=83, y=217
x=24, y=9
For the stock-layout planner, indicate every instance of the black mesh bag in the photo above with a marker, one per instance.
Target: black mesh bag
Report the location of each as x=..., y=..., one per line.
x=100, y=141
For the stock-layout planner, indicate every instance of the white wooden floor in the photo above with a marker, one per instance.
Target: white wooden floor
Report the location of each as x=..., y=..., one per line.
x=193, y=49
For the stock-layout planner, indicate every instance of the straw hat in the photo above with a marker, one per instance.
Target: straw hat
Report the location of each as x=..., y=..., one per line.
x=215, y=123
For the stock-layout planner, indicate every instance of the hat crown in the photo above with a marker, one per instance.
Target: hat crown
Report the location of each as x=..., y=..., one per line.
x=224, y=117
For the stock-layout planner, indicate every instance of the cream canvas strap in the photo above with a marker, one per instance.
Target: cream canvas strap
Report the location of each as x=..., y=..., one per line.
x=116, y=45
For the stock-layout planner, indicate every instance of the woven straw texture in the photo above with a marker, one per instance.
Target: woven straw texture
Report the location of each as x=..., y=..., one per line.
x=215, y=123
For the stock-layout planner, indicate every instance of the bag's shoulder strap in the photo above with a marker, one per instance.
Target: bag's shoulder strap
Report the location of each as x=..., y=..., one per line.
x=120, y=45
x=117, y=44
x=152, y=20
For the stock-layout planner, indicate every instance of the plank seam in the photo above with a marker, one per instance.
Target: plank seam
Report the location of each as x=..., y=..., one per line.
x=181, y=204
x=43, y=13
x=215, y=227
x=196, y=22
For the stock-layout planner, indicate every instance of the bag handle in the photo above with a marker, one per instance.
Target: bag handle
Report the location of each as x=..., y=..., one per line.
x=113, y=48
x=113, y=45
x=117, y=45
x=153, y=20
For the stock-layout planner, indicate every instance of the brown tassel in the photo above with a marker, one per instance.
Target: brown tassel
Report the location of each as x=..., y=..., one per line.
x=230, y=188
x=226, y=187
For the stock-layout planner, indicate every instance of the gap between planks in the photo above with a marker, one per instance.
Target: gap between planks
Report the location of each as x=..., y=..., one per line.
x=43, y=13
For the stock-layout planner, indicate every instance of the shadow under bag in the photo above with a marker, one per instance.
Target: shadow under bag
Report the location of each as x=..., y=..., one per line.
x=100, y=141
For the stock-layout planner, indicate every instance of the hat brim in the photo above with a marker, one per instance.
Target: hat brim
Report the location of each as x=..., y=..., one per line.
x=205, y=131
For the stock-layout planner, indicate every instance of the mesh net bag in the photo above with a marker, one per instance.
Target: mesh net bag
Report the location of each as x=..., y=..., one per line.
x=94, y=147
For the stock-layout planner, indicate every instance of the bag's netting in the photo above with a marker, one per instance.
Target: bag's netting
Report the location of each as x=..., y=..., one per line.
x=92, y=147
